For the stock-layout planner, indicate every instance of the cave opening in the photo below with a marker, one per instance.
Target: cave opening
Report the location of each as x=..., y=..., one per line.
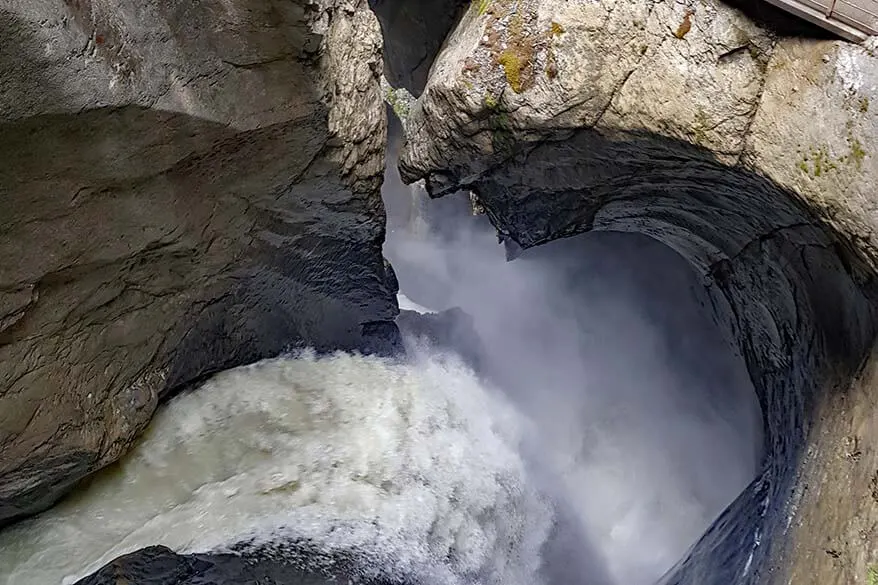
x=791, y=295
x=646, y=423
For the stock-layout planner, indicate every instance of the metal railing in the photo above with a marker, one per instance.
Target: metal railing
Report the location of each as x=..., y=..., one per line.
x=854, y=20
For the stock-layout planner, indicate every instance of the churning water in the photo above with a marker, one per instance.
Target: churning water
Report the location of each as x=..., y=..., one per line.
x=415, y=466
x=607, y=426
x=646, y=425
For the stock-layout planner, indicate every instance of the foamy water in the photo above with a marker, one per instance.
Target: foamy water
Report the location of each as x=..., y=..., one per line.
x=416, y=466
x=406, y=304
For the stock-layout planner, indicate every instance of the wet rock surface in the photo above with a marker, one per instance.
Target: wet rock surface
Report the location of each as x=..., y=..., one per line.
x=185, y=188
x=191, y=187
x=796, y=109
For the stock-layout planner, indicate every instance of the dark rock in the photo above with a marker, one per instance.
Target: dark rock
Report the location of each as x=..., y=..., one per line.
x=450, y=330
x=603, y=147
x=791, y=294
x=413, y=34
x=789, y=291
x=158, y=565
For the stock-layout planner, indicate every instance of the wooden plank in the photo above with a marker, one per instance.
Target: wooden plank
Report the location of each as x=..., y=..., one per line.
x=854, y=20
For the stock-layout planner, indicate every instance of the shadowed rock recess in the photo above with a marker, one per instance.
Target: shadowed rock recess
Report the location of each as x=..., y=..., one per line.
x=414, y=32
x=749, y=152
x=184, y=189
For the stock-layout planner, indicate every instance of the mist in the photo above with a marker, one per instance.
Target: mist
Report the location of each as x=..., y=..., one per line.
x=647, y=425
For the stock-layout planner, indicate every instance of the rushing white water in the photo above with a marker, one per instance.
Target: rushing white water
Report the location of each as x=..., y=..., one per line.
x=406, y=304
x=646, y=424
x=416, y=465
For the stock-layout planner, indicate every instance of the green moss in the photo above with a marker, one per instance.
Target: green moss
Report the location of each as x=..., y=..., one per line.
x=700, y=127
x=491, y=102
x=502, y=138
x=399, y=104
x=817, y=163
x=516, y=24
x=513, y=66
x=551, y=69
x=518, y=56
x=503, y=142
x=864, y=105
x=857, y=153
x=754, y=51
x=821, y=162
x=502, y=122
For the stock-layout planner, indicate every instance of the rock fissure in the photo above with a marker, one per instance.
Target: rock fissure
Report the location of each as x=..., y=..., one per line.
x=175, y=177
x=758, y=241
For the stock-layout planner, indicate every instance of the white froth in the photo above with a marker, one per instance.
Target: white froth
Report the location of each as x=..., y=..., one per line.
x=414, y=464
x=406, y=304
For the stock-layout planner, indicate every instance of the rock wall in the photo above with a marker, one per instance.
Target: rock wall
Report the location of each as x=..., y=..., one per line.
x=186, y=187
x=746, y=149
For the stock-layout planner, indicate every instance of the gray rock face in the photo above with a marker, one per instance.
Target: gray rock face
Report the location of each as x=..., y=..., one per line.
x=704, y=74
x=185, y=188
x=748, y=152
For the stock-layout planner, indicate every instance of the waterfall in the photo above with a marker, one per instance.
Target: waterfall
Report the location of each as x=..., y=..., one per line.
x=414, y=467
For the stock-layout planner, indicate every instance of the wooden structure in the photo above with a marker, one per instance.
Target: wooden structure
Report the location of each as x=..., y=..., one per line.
x=854, y=20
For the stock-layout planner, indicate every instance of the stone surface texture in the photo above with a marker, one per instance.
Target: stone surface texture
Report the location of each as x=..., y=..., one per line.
x=185, y=187
x=703, y=73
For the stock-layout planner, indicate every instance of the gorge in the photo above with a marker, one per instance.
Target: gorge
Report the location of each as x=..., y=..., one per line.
x=189, y=188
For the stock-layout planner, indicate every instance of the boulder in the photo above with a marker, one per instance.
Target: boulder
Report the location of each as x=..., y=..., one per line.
x=159, y=565
x=186, y=187
x=796, y=109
